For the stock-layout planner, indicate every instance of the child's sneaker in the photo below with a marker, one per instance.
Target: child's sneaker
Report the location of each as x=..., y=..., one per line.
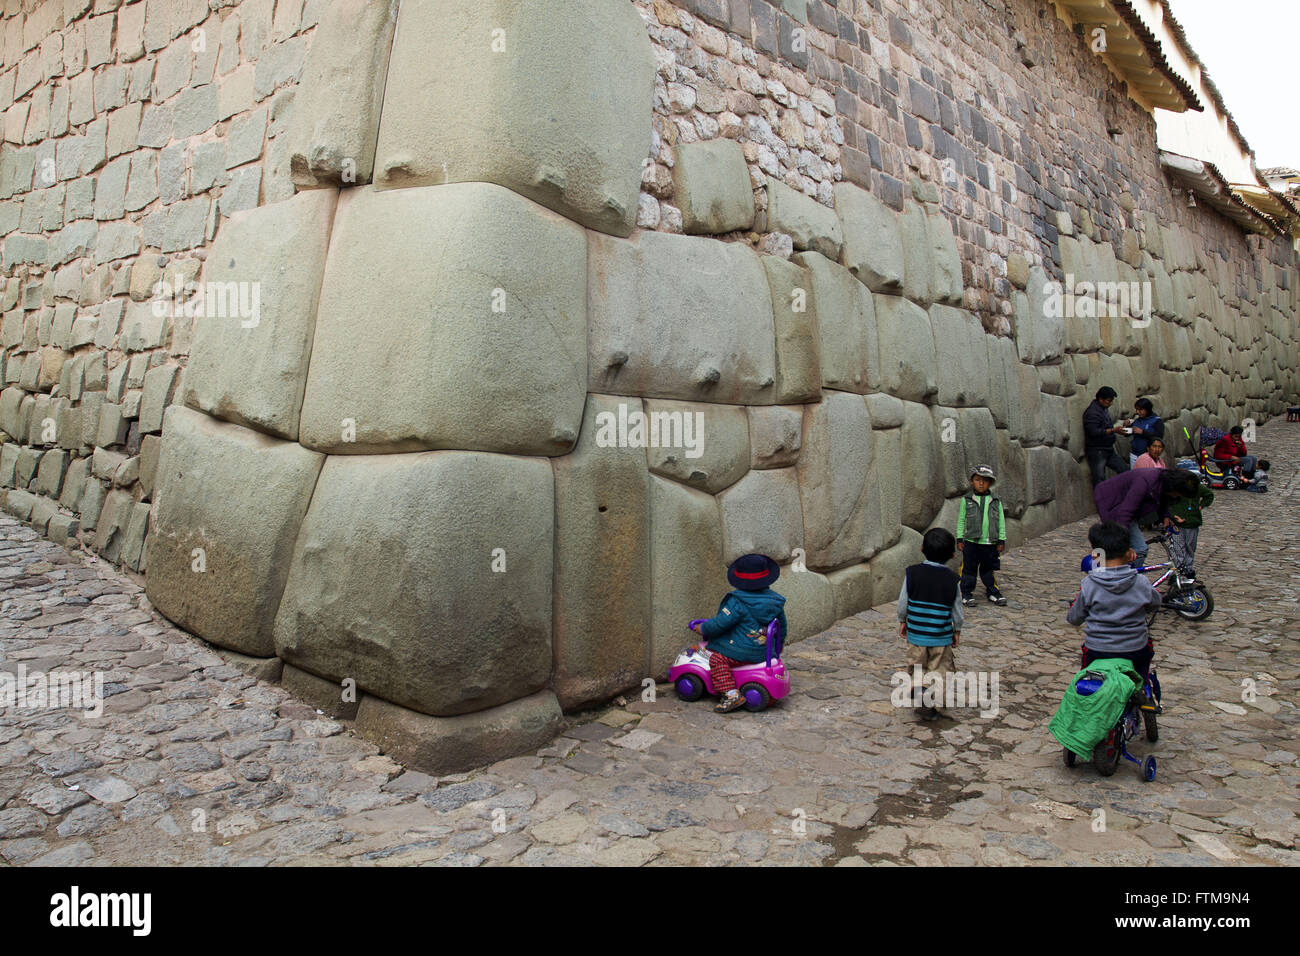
x=729, y=702
x=968, y=601
x=997, y=599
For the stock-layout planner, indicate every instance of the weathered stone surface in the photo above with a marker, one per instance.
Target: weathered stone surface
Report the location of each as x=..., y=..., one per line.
x=680, y=317
x=687, y=573
x=809, y=602
x=602, y=564
x=918, y=255
x=702, y=445
x=945, y=280
x=908, y=363
x=846, y=325
x=711, y=187
x=507, y=112
x=159, y=388
x=325, y=696
x=775, y=435
x=833, y=487
x=962, y=358
x=811, y=225
x=445, y=745
x=243, y=531
x=873, y=245
x=452, y=612
x=248, y=361
x=851, y=588
x=798, y=363
x=887, y=476
x=922, y=476
x=761, y=515
x=966, y=439
x=335, y=121
x=888, y=567
x=1040, y=325
x=1040, y=475
x=508, y=296
x=1010, y=472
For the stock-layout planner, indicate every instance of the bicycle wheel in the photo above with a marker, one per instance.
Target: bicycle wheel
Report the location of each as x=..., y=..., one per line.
x=1149, y=719
x=1196, y=603
x=1105, y=756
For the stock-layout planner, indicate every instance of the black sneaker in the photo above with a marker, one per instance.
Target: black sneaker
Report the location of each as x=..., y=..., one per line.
x=968, y=601
x=997, y=599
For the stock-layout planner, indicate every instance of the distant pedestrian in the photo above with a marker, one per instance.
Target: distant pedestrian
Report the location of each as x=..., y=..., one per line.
x=930, y=615
x=981, y=537
x=1153, y=457
x=1146, y=426
x=1099, y=437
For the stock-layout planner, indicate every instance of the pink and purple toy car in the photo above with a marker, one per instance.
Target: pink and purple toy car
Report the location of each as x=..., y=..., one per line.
x=759, y=684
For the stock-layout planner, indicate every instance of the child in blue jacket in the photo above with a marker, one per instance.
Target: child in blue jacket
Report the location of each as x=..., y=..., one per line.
x=737, y=634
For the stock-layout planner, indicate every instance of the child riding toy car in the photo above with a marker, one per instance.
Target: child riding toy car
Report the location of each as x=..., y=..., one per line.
x=759, y=684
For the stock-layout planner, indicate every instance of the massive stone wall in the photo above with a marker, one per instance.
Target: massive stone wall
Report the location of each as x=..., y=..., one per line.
x=814, y=240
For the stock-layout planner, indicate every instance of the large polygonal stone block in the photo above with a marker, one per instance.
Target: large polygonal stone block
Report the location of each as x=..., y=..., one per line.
x=1073, y=487
x=922, y=475
x=680, y=317
x=967, y=439
x=833, y=486
x=555, y=107
x=249, y=365
x=702, y=445
x=809, y=602
x=687, y=573
x=775, y=435
x=888, y=567
x=946, y=280
x=918, y=255
x=887, y=476
x=962, y=357
x=846, y=325
x=482, y=350
x=1040, y=475
x=807, y=222
x=1026, y=422
x=908, y=361
x=602, y=563
x=335, y=120
x=1040, y=319
x=427, y=578
x=445, y=745
x=873, y=244
x=711, y=187
x=851, y=589
x=798, y=364
x=228, y=505
x=1010, y=472
x=761, y=515
x=1039, y=520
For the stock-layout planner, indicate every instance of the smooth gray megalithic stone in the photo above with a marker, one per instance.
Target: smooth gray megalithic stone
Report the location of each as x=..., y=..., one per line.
x=888, y=567
x=445, y=745
x=851, y=589
x=700, y=444
x=921, y=473
x=886, y=475
x=1056, y=427
x=680, y=317
x=1039, y=519
x=886, y=411
x=450, y=317
x=846, y=325
x=809, y=602
x=908, y=361
x=1010, y=471
x=946, y=281
x=240, y=497
x=1030, y=428
x=833, y=487
x=962, y=366
x=711, y=187
x=335, y=120
x=966, y=440
x=1040, y=322
x=918, y=255
x=1073, y=487
x=602, y=563
x=554, y=105
x=775, y=435
x=325, y=696
x=1040, y=475
x=761, y=515
x=687, y=573
x=798, y=363
x=873, y=241
x=425, y=577
x=248, y=362
x=807, y=222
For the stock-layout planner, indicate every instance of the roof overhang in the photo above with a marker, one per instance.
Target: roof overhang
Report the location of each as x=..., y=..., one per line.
x=1206, y=182
x=1271, y=203
x=1134, y=52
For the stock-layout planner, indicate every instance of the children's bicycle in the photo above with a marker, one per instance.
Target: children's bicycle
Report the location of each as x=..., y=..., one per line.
x=1185, y=596
x=1142, y=705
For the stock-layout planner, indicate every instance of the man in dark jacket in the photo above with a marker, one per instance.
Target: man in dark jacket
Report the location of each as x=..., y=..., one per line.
x=1099, y=437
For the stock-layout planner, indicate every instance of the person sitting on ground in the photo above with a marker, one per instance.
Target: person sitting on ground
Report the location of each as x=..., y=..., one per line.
x=1153, y=457
x=1099, y=436
x=1113, y=603
x=981, y=537
x=737, y=634
x=929, y=613
x=1146, y=428
x=1231, y=450
x=1130, y=496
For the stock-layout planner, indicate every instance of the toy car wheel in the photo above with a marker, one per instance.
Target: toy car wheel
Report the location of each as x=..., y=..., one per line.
x=1067, y=757
x=1149, y=769
x=756, y=696
x=1231, y=484
x=1196, y=603
x=1105, y=756
x=690, y=687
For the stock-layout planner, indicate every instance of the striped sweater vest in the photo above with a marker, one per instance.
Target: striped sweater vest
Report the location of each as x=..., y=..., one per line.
x=931, y=592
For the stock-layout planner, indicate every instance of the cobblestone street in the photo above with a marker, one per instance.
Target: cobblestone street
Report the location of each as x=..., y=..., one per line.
x=196, y=762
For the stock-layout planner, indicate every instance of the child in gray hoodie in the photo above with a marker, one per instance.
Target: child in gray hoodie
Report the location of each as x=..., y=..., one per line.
x=1114, y=601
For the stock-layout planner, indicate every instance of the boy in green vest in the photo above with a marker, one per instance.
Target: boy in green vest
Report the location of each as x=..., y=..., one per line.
x=981, y=537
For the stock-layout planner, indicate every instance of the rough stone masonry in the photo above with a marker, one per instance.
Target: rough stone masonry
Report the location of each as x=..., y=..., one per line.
x=826, y=229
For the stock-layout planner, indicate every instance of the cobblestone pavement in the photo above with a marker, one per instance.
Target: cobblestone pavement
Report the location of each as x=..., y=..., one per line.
x=195, y=762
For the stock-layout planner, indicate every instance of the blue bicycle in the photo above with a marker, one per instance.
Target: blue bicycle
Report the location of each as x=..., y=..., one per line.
x=1142, y=705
